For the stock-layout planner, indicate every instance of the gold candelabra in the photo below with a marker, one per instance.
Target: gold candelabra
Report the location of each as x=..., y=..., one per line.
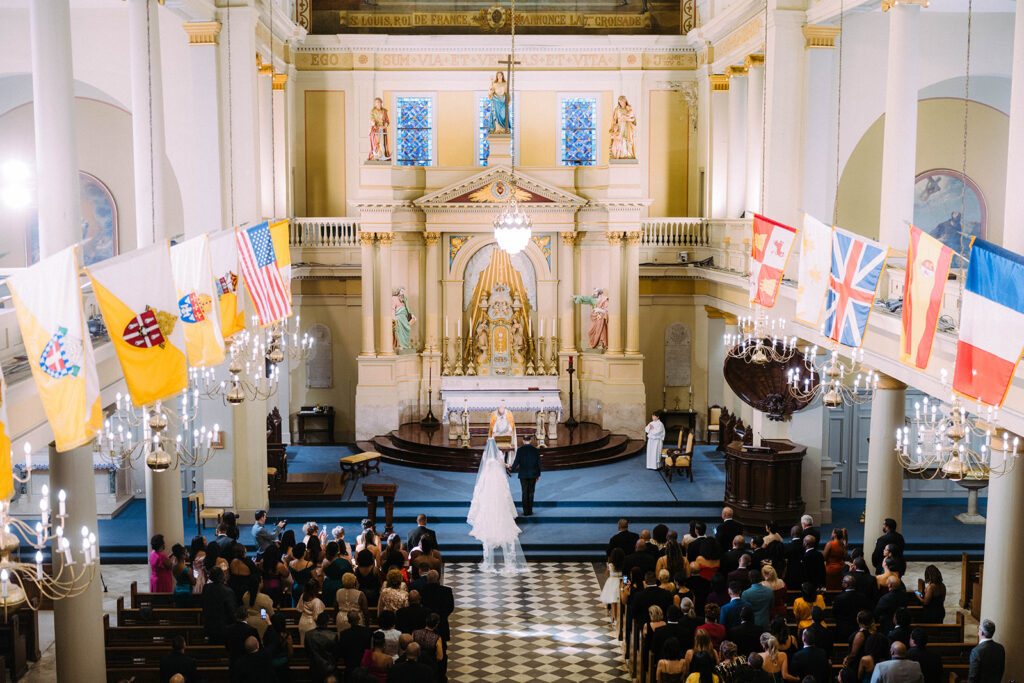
x=155, y=447
x=446, y=368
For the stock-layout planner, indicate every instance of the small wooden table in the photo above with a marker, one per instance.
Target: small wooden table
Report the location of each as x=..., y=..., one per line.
x=387, y=492
x=360, y=464
x=315, y=426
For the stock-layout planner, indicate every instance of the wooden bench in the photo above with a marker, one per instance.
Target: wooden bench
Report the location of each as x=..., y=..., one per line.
x=972, y=572
x=146, y=615
x=360, y=464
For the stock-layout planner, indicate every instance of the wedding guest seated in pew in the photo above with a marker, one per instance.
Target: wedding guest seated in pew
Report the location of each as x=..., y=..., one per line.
x=432, y=645
x=894, y=599
x=711, y=626
x=354, y=640
x=413, y=616
x=236, y=634
x=386, y=622
x=178, y=663
x=197, y=552
x=931, y=662
x=671, y=666
x=277, y=642
x=760, y=598
x=898, y=669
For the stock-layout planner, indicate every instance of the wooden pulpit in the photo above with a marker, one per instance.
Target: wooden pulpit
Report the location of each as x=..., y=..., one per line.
x=763, y=484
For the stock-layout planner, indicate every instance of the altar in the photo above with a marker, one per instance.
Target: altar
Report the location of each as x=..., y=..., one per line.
x=484, y=394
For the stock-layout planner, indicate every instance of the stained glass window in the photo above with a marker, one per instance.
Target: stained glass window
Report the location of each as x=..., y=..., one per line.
x=483, y=148
x=579, y=131
x=415, y=131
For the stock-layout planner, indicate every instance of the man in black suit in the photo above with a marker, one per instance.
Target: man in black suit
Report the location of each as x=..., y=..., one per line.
x=887, y=605
x=807, y=528
x=640, y=601
x=354, y=641
x=178, y=663
x=742, y=572
x=421, y=530
x=254, y=666
x=440, y=599
x=759, y=554
x=237, y=633
x=889, y=536
x=813, y=563
x=728, y=530
x=730, y=561
x=218, y=603
x=845, y=608
x=625, y=539
x=810, y=660
x=413, y=616
x=822, y=635
x=988, y=658
x=863, y=582
x=931, y=663
x=408, y=668
x=702, y=546
x=673, y=628
x=793, y=550
x=746, y=634
x=527, y=464
x=639, y=558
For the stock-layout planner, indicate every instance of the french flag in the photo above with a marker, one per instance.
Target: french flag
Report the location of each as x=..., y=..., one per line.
x=991, y=324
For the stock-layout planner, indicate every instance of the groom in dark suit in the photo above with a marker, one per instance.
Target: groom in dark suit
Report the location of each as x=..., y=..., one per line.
x=527, y=464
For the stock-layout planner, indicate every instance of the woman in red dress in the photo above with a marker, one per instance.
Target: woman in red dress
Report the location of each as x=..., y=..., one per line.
x=835, y=559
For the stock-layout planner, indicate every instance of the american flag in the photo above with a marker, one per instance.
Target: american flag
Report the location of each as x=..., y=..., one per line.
x=258, y=264
x=856, y=266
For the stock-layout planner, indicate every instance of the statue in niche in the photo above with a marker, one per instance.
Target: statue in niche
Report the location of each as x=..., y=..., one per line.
x=402, y=319
x=379, y=123
x=623, y=131
x=598, y=332
x=499, y=98
x=483, y=343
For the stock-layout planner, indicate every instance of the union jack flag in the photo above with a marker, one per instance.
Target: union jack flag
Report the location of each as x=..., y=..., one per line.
x=258, y=263
x=856, y=266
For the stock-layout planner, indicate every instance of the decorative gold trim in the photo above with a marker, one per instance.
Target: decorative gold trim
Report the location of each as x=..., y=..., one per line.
x=202, y=32
x=568, y=238
x=615, y=237
x=266, y=70
x=732, y=71
x=279, y=81
x=385, y=238
x=633, y=237
x=888, y=4
x=719, y=82
x=820, y=36
x=431, y=238
x=366, y=239
x=753, y=60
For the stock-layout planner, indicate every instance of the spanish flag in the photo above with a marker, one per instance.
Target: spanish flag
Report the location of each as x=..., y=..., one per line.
x=48, y=300
x=138, y=300
x=224, y=259
x=279, y=236
x=6, y=471
x=197, y=307
x=924, y=282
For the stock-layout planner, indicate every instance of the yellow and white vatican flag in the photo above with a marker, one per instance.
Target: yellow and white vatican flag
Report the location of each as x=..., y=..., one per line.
x=6, y=471
x=199, y=314
x=815, y=264
x=48, y=300
x=279, y=236
x=139, y=303
x=224, y=259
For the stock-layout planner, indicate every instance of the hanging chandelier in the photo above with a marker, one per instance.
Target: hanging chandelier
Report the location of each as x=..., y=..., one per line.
x=252, y=376
x=71, y=580
x=760, y=340
x=830, y=379
x=118, y=444
x=283, y=341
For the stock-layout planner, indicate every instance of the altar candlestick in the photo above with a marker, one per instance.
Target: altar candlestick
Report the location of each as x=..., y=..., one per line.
x=458, y=328
x=446, y=327
x=542, y=327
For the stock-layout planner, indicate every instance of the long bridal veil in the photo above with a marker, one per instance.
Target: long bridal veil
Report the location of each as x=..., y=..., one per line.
x=492, y=516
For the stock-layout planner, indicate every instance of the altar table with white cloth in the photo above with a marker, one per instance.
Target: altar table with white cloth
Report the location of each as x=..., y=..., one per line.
x=485, y=394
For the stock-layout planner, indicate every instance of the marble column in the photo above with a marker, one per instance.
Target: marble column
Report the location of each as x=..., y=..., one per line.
x=614, y=293
x=755, y=131
x=75, y=619
x=819, y=144
x=884, y=495
x=566, y=286
x=633, y=292
x=433, y=288
x=206, y=211
x=736, y=194
x=387, y=344
x=366, y=283
x=280, y=175
x=1013, y=232
x=265, y=107
x=899, y=149
x=718, y=161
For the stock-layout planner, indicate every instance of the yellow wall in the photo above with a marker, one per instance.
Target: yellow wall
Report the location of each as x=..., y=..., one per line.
x=939, y=145
x=539, y=132
x=456, y=129
x=325, y=153
x=668, y=153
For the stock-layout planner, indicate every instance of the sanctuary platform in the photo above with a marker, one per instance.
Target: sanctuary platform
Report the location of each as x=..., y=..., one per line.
x=585, y=446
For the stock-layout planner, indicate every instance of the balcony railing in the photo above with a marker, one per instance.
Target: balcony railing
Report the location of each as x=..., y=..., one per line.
x=324, y=232
x=676, y=232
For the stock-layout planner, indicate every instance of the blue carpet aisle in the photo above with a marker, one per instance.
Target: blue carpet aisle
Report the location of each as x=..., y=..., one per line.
x=574, y=514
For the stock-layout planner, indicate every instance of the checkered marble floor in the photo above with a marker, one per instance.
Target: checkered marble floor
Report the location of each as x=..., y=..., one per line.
x=546, y=626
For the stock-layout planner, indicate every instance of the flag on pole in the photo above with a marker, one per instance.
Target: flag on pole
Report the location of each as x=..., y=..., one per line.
x=812, y=277
x=6, y=469
x=137, y=297
x=279, y=233
x=190, y=264
x=924, y=282
x=48, y=300
x=224, y=259
x=856, y=266
x=258, y=262
x=770, y=250
x=991, y=324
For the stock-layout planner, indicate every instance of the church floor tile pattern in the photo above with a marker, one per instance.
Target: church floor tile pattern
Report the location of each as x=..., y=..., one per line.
x=543, y=626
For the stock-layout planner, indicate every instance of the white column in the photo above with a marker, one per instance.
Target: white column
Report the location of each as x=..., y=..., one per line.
x=432, y=321
x=280, y=175
x=566, y=285
x=899, y=148
x=240, y=127
x=74, y=619
x=615, y=293
x=819, y=144
x=884, y=495
x=719, y=147
x=755, y=131
x=265, y=99
x=206, y=212
x=633, y=292
x=784, y=81
x=148, y=141
x=366, y=284
x=1013, y=232
x=736, y=195
x=387, y=342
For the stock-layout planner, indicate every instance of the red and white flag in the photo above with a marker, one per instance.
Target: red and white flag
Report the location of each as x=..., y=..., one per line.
x=258, y=263
x=769, y=253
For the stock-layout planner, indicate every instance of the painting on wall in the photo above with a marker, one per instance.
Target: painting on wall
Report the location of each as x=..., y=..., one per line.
x=947, y=202
x=99, y=222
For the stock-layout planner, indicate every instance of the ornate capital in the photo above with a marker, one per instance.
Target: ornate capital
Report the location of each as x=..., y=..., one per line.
x=888, y=4
x=820, y=36
x=279, y=81
x=633, y=237
x=385, y=238
x=568, y=238
x=753, y=60
x=431, y=238
x=266, y=70
x=734, y=71
x=719, y=82
x=615, y=237
x=202, y=32
x=366, y=239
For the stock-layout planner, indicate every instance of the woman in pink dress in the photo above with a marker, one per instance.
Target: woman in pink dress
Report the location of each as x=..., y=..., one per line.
x=160, y=578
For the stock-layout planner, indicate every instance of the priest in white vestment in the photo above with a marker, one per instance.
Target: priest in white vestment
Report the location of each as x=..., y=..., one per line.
x=503, y=429
x=655, y=431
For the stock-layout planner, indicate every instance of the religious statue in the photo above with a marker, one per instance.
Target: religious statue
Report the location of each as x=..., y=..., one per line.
x=623, y=131
x=403, y=319
x=598, y=333
x=482, y=345
x=540, y=425
x=655, y=431
x=379, y=122
x=518, y=340
x=499, y=99
x=503, y=428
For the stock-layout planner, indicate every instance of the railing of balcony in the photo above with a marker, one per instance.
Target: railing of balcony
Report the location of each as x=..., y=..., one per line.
x=676, y=232
x=324, y=232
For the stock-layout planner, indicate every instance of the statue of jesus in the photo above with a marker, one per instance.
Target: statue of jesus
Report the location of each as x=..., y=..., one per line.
x=503, y=428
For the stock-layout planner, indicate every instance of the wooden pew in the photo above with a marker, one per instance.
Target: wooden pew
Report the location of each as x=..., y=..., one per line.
x=192, y=616
x=971, y=576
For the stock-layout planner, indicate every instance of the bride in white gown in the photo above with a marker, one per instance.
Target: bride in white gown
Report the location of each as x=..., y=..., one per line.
x=492, y=516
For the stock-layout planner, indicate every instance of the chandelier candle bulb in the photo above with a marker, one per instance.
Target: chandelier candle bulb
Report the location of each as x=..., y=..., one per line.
x=39, y=565
x=4, y=580
x=68, y=559
x=62, y=499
